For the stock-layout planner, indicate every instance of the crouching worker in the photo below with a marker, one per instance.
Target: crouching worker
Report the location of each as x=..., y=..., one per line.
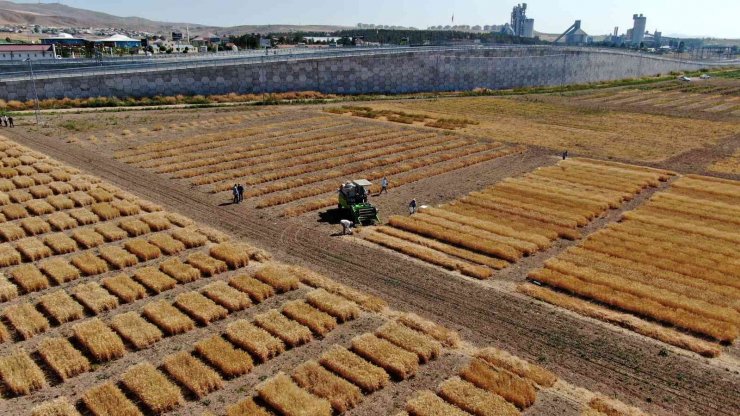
x=346, y=227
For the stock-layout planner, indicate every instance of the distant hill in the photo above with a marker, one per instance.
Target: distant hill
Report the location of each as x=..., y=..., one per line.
x=54, y=14
x=59, y=15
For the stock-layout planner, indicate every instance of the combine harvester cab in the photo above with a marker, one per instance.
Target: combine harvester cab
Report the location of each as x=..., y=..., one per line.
x=353, y=200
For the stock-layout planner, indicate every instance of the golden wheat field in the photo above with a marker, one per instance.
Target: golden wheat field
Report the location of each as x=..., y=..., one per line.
x=518, y=217
x=709, y=98
x=300, y=162
x=523, y=284
x=588, y=130
x=672, y=261
x=162, y=315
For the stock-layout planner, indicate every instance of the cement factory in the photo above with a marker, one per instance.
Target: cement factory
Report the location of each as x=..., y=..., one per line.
x=635, y=37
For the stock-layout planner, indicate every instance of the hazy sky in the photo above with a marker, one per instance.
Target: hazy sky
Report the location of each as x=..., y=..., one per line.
x=719, y=18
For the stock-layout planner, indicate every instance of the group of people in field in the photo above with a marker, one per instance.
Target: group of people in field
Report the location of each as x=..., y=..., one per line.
x=238, y=192
x=6, y=121
x=384, y=189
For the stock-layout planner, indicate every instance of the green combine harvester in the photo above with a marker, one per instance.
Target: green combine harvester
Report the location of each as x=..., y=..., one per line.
x=353, y=200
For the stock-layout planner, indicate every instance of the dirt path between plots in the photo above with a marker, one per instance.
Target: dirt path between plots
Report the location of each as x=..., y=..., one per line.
x=699, y=160
x=583, y=352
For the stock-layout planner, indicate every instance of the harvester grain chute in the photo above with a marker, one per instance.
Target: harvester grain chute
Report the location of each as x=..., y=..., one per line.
x=353, y=199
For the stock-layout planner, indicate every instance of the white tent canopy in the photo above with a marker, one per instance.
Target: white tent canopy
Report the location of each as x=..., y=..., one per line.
x=118, y=38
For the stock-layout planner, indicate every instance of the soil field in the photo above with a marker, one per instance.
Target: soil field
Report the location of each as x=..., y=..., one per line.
x=578, y=349
x=698, y=98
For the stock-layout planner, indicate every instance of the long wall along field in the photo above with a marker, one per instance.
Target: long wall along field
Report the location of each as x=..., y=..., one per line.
x=111, y=305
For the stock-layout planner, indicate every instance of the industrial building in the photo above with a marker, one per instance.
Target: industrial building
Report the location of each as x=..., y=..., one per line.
x=520, y=24
x=574, y=35
x=638, y=29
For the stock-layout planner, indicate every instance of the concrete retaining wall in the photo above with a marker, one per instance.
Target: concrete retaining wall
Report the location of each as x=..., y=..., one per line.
x=383, y=73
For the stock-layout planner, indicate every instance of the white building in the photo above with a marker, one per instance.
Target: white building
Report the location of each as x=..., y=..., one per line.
x=13, y=52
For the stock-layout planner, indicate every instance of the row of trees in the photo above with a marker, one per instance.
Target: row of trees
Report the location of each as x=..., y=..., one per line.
x=408, y=36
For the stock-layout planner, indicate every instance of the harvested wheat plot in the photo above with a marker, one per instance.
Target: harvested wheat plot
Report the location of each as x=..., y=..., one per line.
x=168, y=318
x=516, y=217
x=282, y=394
x=63, y=358
x=192, y=373
x=107, y=399
x=136, y=330
x=221, y=354
x=99, y=340
x=152, y=388
x=730, y=164
x=20, y=374
x=673, y=261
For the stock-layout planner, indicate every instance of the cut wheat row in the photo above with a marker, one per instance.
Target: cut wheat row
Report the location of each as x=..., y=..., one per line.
x=415, y=146
x=253, y=137
x=390, y=166
x=129, y=289
x=519, y=217
x=236, y=156
x=263, y=339
x=682, y=273
x=259, y=140
x=195, y=143
x=407, y=176
x=291, y=161
x=415, y=141
x=214, y=172
x=102, y=344
x=155, y=146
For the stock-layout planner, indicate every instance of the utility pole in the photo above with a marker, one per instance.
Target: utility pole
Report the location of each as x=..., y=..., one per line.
x=35, y=92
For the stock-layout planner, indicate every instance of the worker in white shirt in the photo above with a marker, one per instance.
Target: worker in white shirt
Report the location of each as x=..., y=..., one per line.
x=346, y=227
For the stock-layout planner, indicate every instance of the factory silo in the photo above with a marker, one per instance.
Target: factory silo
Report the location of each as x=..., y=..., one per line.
x=638, y=30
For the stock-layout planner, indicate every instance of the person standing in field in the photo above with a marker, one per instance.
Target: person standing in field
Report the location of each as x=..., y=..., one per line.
x=383, y=186
x=240, y=190
x=412, y=207
x=10, y=120
x=235, y=192
x=346, y=227
x=565, y=155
